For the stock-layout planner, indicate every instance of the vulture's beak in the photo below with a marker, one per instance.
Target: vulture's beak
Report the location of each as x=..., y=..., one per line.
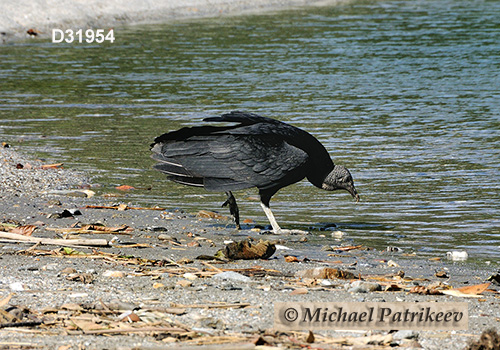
x=353, y=192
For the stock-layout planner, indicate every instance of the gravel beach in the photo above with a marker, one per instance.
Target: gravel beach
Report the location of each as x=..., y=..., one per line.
x=151, y=288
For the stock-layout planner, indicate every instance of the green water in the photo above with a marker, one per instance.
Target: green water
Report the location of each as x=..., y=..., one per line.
x=406, y=94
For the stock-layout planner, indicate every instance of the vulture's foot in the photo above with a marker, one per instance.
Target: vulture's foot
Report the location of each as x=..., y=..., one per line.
x=233, y=208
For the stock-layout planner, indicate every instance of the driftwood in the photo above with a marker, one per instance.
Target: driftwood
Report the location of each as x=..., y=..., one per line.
x=121, y=207
x=137, y=330
x=17, y=238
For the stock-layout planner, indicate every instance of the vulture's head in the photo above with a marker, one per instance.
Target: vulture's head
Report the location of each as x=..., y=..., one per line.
x=340, y=179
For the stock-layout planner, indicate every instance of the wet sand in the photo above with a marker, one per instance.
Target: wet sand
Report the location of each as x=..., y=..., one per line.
x=154, y=270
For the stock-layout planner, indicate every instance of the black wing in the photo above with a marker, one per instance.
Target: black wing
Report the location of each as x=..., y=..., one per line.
x=319, y=162
x=252, y=153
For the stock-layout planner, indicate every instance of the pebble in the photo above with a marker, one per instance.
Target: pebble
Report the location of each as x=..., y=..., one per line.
x=184, y=283
x=392, y=263
x=50, y=267
x=338, y=234
x=210, y=322
x=190, y=276
x=157, y=229
x=16, y=287
x=78, y=295
x=405, y=334
x=228, y=286
x=362, y=287
x=457, y=255
x=282, y=247
x=164, y=237
x=128, y=316
x=114, y=274
x=117, y=304
x=233, y=276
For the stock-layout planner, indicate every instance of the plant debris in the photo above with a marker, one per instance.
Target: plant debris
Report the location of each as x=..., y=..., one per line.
x=247, y=250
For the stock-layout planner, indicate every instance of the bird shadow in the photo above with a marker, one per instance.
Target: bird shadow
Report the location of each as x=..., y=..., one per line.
x=257, y=229
x=330, y=226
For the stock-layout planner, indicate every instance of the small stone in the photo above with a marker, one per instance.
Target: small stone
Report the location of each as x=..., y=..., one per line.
x=158, y=285
x=114, y=274
x=210, y=322
x=442, y=274
x=184, y=261
x=67, y=271
x=190, y=276
x=228, y=286
x=164, y=237
x=184, y=283
x=299, y=291
x=232, y=275
x=457, y=255
x=129, y=316
x=291, y=258
x=392, y=263
x=78, y=295
x=50, y=267
x=405, y=334
x=362, y=287
x=117, y=304
x=157, y=229
x=16, y=287
x=338, y=234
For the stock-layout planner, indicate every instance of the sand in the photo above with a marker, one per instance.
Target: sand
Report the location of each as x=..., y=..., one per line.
x=154, y=270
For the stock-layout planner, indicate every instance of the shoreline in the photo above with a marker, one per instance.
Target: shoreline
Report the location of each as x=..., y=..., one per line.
x=40, y=17
x=154, y=270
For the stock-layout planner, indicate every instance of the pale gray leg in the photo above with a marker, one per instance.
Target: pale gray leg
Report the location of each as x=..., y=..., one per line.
x=270, y=217
x=276, y=228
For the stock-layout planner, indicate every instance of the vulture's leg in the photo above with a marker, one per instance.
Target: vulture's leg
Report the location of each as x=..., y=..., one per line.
x=276, y=228
x=233, y=208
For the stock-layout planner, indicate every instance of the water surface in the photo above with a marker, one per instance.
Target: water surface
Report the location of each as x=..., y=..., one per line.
x=406, y=94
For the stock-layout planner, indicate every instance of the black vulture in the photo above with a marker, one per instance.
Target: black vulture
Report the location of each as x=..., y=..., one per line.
x=255, y=152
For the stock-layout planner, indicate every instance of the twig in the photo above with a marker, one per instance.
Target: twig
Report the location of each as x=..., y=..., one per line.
x=212, y=267
x=20, y=324
x=212, y=306
x=17, y=238
x=116, y=207
x=136, y=330
x=347, y=248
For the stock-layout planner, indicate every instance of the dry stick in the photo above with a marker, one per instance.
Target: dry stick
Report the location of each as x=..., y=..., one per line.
x=134, y=330
x=211, y=306
x=212, y=267
x=115, y=207
x=20, y=324
x=236, y=346
x=14, y=237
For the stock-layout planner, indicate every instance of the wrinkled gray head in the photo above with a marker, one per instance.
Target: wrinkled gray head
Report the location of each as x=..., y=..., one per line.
x=340, y=179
